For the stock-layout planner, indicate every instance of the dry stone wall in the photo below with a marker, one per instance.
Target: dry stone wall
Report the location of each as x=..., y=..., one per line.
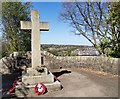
x=105, y=64
x=15, y=61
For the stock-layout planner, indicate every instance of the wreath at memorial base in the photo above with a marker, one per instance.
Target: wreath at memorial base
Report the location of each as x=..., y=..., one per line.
x=40, y=88
x=13, y=87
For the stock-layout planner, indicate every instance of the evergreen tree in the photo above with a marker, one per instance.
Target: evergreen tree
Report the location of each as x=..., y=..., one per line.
x=15, y=39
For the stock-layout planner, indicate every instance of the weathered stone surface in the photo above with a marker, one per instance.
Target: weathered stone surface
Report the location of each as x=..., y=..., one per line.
x=54, y=86
x=36, y=74
x=93, y=62
x=29, y=90
x=32, y=72
x=36, y=27
x=29, y=80
x=14, y=61
x=3, y=68
x=106, y=64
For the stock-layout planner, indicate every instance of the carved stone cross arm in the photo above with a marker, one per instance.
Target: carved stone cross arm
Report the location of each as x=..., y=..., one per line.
x=43, y=26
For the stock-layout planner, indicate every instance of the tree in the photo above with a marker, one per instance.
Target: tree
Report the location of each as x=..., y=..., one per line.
x=15, y=39
x=0, y=47
x=89, y=20
x=114, y=22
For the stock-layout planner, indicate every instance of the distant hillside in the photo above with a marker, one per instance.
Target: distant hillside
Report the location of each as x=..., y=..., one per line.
x=44, y=46
x=70, y=50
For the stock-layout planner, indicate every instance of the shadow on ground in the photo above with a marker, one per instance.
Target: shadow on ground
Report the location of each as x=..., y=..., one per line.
x=7, y=83
x=57, y=74
x=8, y=79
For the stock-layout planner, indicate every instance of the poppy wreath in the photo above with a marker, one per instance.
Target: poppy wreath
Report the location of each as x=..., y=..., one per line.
x=40, y=88
x=13, y=88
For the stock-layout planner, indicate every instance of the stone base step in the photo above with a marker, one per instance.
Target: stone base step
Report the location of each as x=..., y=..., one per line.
x=31, y=80
x=50, y=86
x=29, y=90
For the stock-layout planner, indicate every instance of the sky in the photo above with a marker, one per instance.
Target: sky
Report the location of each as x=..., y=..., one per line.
x=59, y=32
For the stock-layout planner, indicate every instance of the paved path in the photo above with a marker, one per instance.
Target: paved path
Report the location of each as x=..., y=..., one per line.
x=81, y=83
x=86, y=84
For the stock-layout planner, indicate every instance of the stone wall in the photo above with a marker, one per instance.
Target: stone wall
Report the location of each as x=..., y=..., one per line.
x=15, y=62
x=105, y=64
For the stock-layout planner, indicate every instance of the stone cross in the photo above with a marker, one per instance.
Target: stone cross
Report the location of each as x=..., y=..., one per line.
x=36, y=27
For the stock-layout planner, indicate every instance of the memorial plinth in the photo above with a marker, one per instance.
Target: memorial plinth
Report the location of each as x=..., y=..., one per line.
x=37, y=73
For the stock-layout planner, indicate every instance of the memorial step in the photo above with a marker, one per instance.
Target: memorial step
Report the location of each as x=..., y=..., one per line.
x=54, y=86
x=29, y=80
